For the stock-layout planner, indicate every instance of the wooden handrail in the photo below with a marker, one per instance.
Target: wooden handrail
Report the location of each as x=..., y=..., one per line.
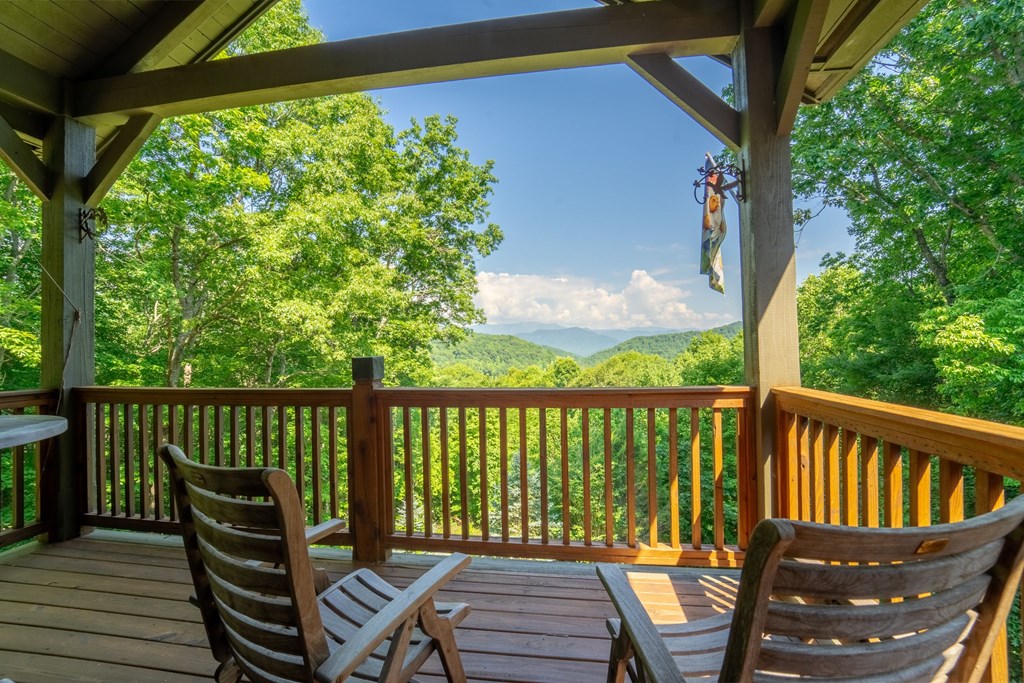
x=214, y=397
x=993, y=447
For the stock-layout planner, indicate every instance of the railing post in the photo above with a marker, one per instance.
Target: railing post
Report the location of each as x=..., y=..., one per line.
x=368, y=496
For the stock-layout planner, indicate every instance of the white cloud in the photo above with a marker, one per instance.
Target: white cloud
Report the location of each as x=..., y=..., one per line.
x=580, y=301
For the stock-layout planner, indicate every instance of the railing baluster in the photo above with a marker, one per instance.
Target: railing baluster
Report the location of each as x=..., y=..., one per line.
x=718, y=469
x=332, y=459
x=204, y=434
x=848, y=454
x=818, y=478
x=250, y=436
x=832, y=467
x=524, y=489
x=129, y=459
x=503, y=468
x=695, y=480
x=18, y=485
x=652, y=481
x=565, y=474
x=428, y=525
x=542, y=420
x=892, y=463
x=463, y=476
x=630, y=480
x=101, y=459
x=869, y=480
x=218, y=436
x=300, y=452
x=158, y=472
x=673, y=476
x=920, y=488
x=282, y=438
x=266, y=430
x=951, y=491
x=235, y=446
x=485, y=517
x=144, y=497
x=407, y=468
x=804, y=474
x=116, y=478
x=609, y=500
x=446, y=488
x=188, y=427
x=314, y=464
x=789, y=482
x=585, y=466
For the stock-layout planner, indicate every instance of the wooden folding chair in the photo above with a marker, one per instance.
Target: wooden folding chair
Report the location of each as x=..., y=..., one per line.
x=246, y=544
x=831, y=602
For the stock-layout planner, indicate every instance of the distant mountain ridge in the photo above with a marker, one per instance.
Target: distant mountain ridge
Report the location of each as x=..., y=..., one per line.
x=578, y=341
x=495, y=354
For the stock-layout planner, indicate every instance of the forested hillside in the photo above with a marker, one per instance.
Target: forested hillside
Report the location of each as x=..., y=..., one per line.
x=493, y=354
x=668, y=346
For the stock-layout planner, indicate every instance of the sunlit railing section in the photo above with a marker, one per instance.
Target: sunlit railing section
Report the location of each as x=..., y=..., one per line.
x=304, y=432
x=655, y=475
x=857, y=462
x=21, y=502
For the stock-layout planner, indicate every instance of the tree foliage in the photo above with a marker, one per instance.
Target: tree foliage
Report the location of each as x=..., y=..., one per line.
x=923, y=150
x=266, y=246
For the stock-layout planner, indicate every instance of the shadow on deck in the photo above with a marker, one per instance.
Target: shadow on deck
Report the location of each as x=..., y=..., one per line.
x=113, y=607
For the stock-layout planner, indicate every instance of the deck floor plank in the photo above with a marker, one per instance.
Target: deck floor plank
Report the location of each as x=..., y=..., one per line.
x=113, y=607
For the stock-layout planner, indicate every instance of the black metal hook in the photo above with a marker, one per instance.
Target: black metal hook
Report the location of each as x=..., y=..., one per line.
x=87, y=222
x=721, y=171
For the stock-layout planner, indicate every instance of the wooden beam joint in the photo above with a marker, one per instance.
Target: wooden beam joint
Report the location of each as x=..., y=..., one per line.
x=23, y=161
x=690, y=95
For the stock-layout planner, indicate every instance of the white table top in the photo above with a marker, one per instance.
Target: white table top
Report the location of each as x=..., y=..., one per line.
x=18, y=430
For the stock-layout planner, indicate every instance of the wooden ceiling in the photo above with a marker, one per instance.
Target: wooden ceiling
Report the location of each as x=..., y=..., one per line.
x=122, y=65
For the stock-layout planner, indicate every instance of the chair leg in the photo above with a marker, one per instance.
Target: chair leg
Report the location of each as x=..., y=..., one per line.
x=444, y=640
x=228, y=672
x=619, y=658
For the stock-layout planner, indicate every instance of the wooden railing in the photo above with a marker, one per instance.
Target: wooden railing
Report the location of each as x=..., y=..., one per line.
x=580, y=474
x=598, y=474
x=21, y=504
x=302, y=431
x=851, y=461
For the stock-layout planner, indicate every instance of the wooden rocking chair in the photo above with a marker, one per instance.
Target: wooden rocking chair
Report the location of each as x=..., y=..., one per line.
x=247, y=548
x=846, y=603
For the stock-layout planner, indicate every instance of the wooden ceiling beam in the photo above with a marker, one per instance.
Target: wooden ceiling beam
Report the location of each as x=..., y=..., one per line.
x=29, y=124
x=690, y=95
x=117, y=155
x=540, y=42
x=25, y=85
x=165, y=31
x=769, y=12
x=804, y=33
x=23, y=161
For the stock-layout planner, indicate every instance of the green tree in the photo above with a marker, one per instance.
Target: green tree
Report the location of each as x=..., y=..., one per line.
x=268, y=245
x=630, y=369
x=711, y=359
x=923, y=151
x=20, y=282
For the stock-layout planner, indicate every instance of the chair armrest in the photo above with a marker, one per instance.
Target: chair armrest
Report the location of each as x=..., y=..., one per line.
x=647, y=642
x=356, y=649
x=315, y=534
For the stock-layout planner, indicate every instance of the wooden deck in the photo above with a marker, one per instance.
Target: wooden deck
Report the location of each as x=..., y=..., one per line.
x=113, y=607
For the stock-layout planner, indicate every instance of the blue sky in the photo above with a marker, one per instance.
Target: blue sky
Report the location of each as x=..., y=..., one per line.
x=595, y=172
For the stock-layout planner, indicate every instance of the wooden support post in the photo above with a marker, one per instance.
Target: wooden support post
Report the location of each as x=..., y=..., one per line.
x=68, y=324
x=368, y=496
x=768, y=257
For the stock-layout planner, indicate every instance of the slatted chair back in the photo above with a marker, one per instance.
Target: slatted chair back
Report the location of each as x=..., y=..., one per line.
x=874, y=604
x=244, y=532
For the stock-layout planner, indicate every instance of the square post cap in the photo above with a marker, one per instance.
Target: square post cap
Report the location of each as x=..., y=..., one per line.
x=368, y=369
